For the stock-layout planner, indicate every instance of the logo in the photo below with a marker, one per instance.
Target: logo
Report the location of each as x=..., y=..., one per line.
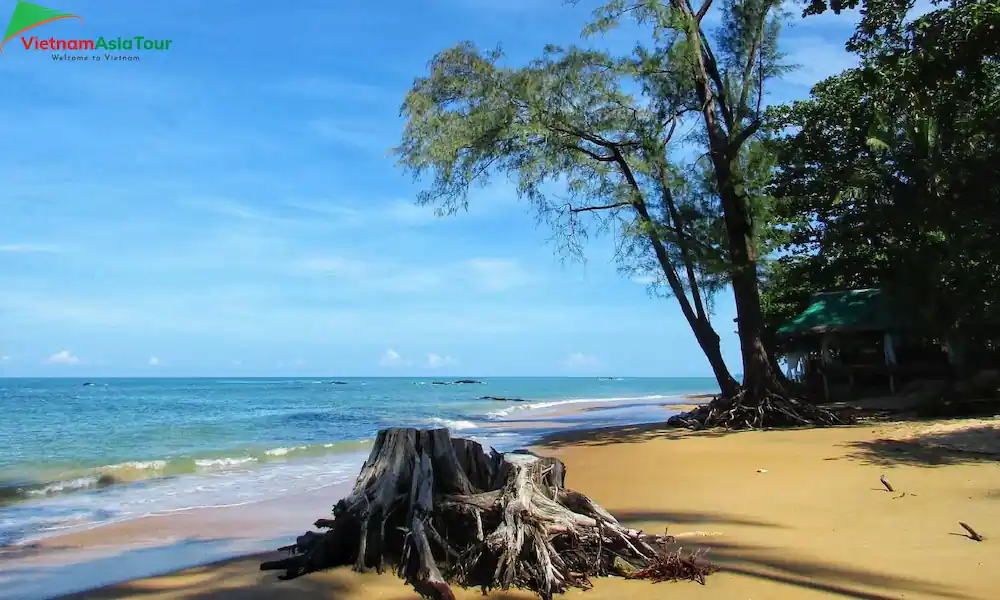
x=28, y=16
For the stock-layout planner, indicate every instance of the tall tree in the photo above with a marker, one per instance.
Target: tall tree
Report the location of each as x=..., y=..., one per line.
x=567, y=120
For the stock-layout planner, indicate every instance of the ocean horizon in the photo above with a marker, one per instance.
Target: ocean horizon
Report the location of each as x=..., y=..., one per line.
x=81, y=452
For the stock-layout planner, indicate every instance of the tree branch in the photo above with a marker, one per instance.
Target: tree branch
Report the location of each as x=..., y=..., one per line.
x=703, y=10
x=592, y=155
x=668, y=200
x=744, y=134
x=711, y=67
x=741, y=109
x=602, y=207
x=661, y=252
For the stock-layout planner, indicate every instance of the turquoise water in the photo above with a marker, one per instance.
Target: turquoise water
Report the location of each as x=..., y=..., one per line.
x=77, y=453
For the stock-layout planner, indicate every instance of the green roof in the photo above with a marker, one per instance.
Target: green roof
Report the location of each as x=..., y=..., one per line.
x=854, y=310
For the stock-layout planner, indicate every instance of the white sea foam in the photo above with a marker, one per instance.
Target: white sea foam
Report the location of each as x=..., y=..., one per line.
x=454, y=425
x=52, y=512
x=208, y=463
x=139, y=465
x=61, y=487
x=279, y=451
x=522, y=406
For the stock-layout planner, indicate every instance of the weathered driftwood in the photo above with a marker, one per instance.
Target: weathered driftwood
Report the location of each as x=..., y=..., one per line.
x=973, y=534
x=443, y=511
x=766, y=409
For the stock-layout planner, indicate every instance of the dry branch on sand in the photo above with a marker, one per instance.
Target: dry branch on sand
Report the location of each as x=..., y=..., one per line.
x=442, y=511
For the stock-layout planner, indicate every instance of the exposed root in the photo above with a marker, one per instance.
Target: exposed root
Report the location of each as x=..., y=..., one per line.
x=441, y=511
x=756, y=411
x=674, y=566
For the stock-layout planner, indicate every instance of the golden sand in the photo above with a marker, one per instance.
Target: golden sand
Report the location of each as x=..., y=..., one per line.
x=789, y=515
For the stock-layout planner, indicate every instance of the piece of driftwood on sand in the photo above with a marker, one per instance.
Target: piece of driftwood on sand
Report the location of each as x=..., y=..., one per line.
x=442, y=511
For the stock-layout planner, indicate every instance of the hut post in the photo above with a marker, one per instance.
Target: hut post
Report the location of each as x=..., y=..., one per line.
x=889, y=348
x=826, y=360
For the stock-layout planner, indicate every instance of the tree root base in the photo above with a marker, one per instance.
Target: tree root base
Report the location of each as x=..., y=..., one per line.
x=757, y=411
x=442, y=511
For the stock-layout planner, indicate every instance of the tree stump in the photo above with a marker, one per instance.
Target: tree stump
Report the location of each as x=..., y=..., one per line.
x=443, y=511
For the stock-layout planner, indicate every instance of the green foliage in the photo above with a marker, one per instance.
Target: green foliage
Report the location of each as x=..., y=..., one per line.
x=891, y=177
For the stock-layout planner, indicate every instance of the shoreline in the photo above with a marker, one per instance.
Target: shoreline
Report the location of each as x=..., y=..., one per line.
x=788, y=515
x=174, y=541
x=504, y=425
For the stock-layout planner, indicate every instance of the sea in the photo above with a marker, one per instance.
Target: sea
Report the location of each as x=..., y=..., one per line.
x=77, y=454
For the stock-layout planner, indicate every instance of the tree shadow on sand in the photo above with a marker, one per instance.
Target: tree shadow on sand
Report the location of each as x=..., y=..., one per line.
x=222, y=581
x=974, y=444
x=632, y=518
x=240, y=580
x=624, y=434
x=760, y=562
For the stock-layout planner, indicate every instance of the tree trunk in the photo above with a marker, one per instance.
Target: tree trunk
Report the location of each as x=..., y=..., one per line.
x=759, y=376
x=708, y=339
x=764, y=400
x=443, y=511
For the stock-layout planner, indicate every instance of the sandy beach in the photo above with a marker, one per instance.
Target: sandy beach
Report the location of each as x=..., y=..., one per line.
x=786, y=514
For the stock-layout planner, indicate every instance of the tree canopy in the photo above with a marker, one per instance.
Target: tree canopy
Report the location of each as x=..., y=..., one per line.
x=891, y=176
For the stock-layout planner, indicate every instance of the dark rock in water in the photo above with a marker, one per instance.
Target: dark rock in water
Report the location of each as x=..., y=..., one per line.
x=338, y=383
x=501, y=399
x=440, y=383
x=106, y=480
x=468, y=381
x=88, y=383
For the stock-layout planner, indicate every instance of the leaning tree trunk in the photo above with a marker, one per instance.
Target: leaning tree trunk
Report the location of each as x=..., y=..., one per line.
x=442, y=511
x=709, y=341
x=763, y=400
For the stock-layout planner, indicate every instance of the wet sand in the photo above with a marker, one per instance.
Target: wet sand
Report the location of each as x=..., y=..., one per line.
x=788, y=515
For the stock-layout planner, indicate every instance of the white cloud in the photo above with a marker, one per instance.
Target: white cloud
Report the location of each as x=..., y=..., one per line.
x=340, y=213
x=237, y=363
x=336, y=265
x=30, y=248
x=364, y=212
x=579, y=360
x=63, y=357
x=403, y=213
x=227, y=207
x=495, y=274
x=482, y=274
x=409, y=213
x=391, y=358
x=371, y=137
x=644, y=279
x=154, y=361
x=436, y=361
x=337, y=89
x=4, y=358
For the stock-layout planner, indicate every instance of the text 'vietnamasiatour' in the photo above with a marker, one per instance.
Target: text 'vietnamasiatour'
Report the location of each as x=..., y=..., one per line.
x=109, y=44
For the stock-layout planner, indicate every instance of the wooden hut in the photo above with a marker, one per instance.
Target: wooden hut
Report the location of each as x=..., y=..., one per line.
x=861, y=338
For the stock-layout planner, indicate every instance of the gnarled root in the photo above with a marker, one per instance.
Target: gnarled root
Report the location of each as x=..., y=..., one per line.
x=443, y=511
x=756, y=411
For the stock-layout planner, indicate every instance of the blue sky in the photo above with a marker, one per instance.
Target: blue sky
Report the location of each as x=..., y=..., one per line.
x=228, y=207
